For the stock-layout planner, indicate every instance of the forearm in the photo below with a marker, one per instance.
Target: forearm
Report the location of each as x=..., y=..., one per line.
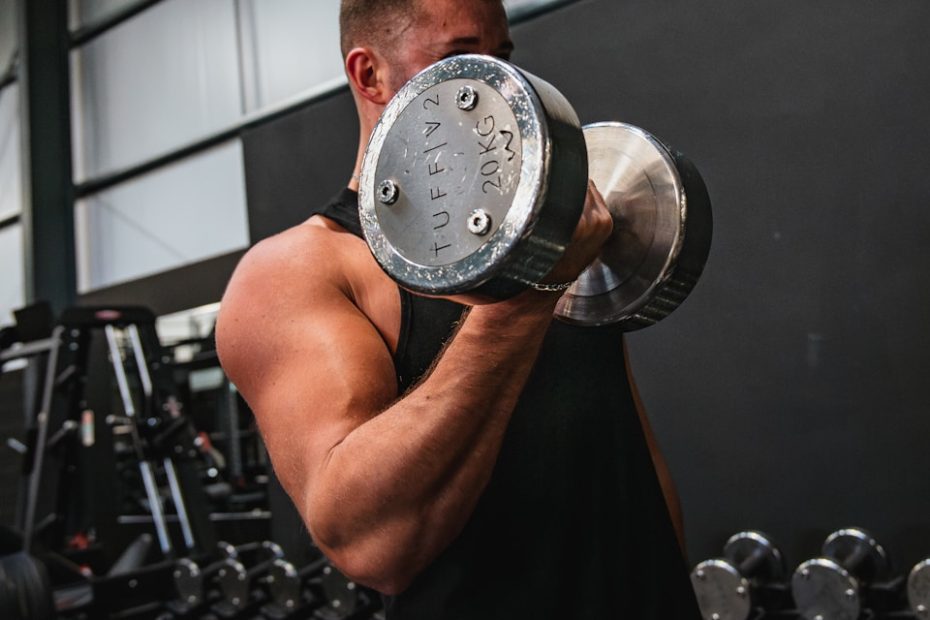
x=393, y=494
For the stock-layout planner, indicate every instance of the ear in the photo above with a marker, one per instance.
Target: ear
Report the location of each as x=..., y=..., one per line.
x=367, y=73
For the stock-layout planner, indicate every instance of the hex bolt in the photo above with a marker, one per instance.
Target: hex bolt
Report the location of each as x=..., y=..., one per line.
x=479, y=222
x=467, y=98
x=388, y=192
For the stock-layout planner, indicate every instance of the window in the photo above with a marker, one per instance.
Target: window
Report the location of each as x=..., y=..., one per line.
x=89, y=12
x=11, y=275
x=185, y=212
x=11, y=197
x=166, y=77
x=289, y=47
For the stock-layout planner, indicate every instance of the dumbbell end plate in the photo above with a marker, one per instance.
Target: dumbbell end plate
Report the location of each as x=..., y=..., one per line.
x=722, y=593
x=662, y=231
x=823, y=588
x=918, y=590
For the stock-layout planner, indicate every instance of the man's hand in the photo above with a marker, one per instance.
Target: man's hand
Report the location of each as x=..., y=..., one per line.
x=593, y=229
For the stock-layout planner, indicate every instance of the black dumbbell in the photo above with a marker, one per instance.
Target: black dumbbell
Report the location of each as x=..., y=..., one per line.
x=237, y=583
x=191, y=577
x=727, y=588
x=918, y=590
x=287, y=584
x=831, y=587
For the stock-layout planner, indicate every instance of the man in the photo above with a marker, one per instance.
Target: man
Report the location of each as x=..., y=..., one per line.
x=473, y=463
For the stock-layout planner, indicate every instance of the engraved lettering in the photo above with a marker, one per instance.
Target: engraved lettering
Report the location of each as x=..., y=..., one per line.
x=435, y=101
x=436, y=193
x=433, y=126
x=487, y=148
x=434, y=168
x=488, y=123
x=438, y=248
x=440, y=215
x=433, y=148
x=509, y=136
x=492, y=183
x=490, y=167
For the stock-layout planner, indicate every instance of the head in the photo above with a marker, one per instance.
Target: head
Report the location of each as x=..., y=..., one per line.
x=386, y=42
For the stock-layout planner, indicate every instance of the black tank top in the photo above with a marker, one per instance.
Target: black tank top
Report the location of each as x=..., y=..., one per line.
x=573, y=524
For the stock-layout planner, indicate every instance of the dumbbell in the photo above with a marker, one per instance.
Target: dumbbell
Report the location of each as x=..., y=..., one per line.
x=474, y=179
x=287, y=586
x=236, y=582
x=831, y=587
x=918, y=589
x=191, y=579
x=727, y=588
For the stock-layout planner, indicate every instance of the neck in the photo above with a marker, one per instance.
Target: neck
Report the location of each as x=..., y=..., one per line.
x=366, y=124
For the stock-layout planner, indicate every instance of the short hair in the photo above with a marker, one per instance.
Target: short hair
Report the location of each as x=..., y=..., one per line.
x=371, y=21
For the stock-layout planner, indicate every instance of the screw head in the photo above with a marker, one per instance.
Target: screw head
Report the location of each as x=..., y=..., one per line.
x=806, y=573
x=466, y=98
x=921, y=610
x=741, y=591
x=715, y=616
x=479, y=222
x=701, y=575
x=388, y=192
x=850, y=593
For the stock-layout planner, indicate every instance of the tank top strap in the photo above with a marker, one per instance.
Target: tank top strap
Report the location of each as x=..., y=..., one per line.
x=436, y=318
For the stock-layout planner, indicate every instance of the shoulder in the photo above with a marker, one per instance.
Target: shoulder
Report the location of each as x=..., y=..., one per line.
x=291, y=276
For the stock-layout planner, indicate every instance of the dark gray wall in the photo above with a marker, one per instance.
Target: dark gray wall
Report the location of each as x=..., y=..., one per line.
x=789, y=392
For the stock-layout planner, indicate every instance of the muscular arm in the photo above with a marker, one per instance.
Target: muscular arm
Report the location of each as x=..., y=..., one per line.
x=384, y=485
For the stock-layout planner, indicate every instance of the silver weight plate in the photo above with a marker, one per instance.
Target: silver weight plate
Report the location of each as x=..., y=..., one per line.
x=473, y=179
x=661, y=237
x=284, y=584
x=918, y=590
x=188, y=582
x=233, y=582
x=722, y=593
x=824, y=590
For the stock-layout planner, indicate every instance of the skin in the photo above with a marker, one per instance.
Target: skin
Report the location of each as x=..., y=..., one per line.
x=384, y=481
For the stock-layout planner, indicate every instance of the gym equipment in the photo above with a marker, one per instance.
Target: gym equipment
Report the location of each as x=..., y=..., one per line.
x=831, y=587
x=729, y=588
x=287, y=586
x=191, y=578
x=918, y=589
x=474, y=179
x=236, y=583
x=25, y=590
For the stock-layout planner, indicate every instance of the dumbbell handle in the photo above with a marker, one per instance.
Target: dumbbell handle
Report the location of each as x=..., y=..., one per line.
x=310, y=570
x=748, y=566
x=854, y=559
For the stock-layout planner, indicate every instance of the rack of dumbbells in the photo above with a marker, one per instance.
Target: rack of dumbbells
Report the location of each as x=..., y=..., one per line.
x=850, y=578
x=255, y=580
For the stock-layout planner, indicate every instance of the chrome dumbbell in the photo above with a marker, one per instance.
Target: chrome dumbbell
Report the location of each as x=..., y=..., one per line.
x=831, y=587
x=727, y=588
x=475, y=177
x=918, y=590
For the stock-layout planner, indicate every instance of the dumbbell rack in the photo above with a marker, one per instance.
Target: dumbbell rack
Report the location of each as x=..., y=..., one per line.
x=73, y=432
